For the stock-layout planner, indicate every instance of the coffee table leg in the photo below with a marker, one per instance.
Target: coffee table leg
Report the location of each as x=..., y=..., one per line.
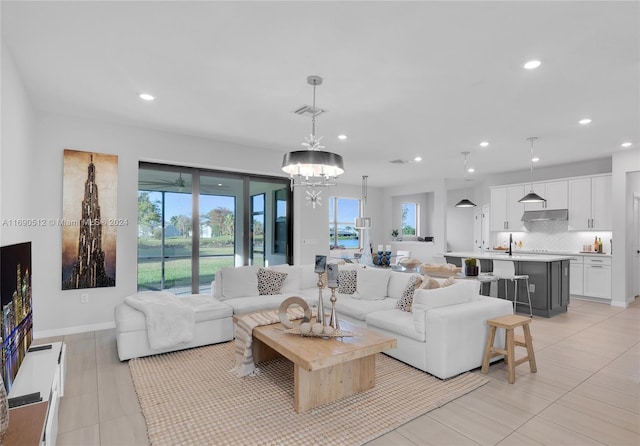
x=262, y=352
x=318, y=387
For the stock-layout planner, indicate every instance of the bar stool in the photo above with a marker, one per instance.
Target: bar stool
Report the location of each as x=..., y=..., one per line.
x=509, y=323
x=506, y=270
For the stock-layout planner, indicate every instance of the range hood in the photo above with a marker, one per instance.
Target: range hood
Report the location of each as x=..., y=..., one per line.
x=546, y=214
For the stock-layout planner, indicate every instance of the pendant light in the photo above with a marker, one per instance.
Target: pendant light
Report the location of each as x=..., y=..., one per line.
x=465, y=202
x=313, y=167
x=532, y=197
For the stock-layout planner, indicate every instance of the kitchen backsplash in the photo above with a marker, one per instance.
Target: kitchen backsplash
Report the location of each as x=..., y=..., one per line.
x=551, y=236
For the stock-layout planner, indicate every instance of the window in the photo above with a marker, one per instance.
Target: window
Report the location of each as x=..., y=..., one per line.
x=193, y=222
x=342, y=215
x=410, y=214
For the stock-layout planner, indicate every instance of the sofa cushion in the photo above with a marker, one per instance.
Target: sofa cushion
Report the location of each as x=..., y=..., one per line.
x=372, y=283
x=395, y=321
x=405, y=302
x=239, y=282
x=347, y=281
x=270, y=281
x=397, y=283
x=294, y=276
x=250, y=304
x=354, y=308
x=205, y=307
x=459, y=292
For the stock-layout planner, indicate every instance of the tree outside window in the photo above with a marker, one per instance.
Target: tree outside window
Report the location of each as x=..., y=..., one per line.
x=410, y=212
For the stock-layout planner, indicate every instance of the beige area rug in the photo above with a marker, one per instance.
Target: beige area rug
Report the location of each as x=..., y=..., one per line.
x=191, y=398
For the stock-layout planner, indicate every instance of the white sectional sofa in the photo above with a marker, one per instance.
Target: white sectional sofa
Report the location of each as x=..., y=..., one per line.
x=444, y=334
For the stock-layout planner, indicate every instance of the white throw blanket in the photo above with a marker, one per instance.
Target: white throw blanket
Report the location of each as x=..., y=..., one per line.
x=169, y=321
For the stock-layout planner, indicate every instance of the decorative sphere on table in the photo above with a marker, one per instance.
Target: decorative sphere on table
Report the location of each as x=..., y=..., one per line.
x=328, y=330
x=317, y=328
x=305, y=328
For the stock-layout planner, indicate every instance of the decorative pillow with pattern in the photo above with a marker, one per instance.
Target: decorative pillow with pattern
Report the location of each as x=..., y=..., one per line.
x=270, y=281
x=406, y=301
x=347, y=281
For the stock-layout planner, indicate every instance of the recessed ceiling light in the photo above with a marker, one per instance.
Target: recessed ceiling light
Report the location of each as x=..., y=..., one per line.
x=626, y=144
x=418, y=158
x=471, y=170
x=530, y=65
x=146, y=96
x=342, y=137
x=484, y=144
x=535, y=159
x=219, y=184
x=584, y=121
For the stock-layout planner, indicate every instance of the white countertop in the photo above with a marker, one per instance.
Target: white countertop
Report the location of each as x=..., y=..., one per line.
x=518, y=257
x=561, y=253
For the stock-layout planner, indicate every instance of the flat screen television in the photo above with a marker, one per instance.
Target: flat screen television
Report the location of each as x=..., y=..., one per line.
x=16, y=321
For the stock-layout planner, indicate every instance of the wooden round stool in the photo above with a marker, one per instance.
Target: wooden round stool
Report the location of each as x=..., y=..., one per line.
x=509, y=322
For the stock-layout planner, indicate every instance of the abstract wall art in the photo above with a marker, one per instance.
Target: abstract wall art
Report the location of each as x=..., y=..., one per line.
x=89, y=220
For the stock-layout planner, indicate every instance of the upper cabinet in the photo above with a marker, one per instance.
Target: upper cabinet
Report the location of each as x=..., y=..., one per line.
x=506, y=211
x=555, y=192
x=590, y=203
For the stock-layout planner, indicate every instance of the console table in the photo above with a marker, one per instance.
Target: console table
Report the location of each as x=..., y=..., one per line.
x=41, y=371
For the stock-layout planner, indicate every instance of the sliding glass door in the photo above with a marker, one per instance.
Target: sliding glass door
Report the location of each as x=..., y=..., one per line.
x=193, y=222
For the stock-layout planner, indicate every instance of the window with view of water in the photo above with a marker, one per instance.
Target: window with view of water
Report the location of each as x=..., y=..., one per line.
x=342, y=215
x=410, y=212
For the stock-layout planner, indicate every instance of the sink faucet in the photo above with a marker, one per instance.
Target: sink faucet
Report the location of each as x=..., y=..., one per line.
x=510, y=243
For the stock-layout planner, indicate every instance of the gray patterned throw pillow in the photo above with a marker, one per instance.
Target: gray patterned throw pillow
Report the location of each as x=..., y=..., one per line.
x=270, y=281
x=347, y=281
x=406, y=301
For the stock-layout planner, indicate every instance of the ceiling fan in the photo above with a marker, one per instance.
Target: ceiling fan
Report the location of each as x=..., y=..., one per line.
x=167, y=182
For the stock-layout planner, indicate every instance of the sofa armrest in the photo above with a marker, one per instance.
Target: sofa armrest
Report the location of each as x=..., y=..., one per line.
x=456, y=335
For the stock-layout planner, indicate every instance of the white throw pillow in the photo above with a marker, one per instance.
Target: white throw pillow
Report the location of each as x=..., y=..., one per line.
x=460, y=292
x=372, y=283
x=239, y=282
x=292, y=282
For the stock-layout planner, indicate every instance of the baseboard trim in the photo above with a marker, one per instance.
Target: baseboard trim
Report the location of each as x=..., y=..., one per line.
x=73, y=330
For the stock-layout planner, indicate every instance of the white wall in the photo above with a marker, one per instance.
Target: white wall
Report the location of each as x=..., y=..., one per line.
x=623, y=162
x=59, y=312
x=16, y=154
x=460, y=221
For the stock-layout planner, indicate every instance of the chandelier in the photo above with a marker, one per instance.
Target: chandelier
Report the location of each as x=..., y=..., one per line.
x=313, y=167
x=532, y=197
x=465, y=202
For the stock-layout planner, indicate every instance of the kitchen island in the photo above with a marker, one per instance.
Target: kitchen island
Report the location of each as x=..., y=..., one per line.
x=549, y=278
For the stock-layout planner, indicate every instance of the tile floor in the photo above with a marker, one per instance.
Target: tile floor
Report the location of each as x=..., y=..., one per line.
x=586, y=391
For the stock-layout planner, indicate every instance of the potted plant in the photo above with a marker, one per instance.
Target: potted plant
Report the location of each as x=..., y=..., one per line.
x=471, y=267
x=394, y=234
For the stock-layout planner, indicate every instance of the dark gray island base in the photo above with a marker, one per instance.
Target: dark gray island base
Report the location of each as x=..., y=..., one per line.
x=548, y=280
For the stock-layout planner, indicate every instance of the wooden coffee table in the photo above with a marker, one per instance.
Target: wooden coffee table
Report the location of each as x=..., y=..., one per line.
x=325, y=370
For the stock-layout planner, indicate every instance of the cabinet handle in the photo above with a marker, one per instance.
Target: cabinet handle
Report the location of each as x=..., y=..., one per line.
x=596, y=260
x=595, y=266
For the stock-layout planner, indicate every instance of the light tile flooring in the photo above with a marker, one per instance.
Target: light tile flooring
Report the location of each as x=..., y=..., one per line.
x=586, y=391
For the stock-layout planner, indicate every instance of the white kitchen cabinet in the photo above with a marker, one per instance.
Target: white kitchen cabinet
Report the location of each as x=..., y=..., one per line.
x=506, y=211
x=576, y=281
x=590, y=203
x=557, y=195
x=597, y=277
x=498, y=209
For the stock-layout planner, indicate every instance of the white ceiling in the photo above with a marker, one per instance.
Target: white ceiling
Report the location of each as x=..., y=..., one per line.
x=400, y=78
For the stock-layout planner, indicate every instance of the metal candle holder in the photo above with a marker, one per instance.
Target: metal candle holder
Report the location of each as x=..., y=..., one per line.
x=334, y=317
x=320, y=315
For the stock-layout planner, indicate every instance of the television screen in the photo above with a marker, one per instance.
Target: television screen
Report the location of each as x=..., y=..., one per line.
x=16, y=321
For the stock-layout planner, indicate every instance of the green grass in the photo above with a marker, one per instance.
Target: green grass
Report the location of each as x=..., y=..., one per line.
x=178, y=272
